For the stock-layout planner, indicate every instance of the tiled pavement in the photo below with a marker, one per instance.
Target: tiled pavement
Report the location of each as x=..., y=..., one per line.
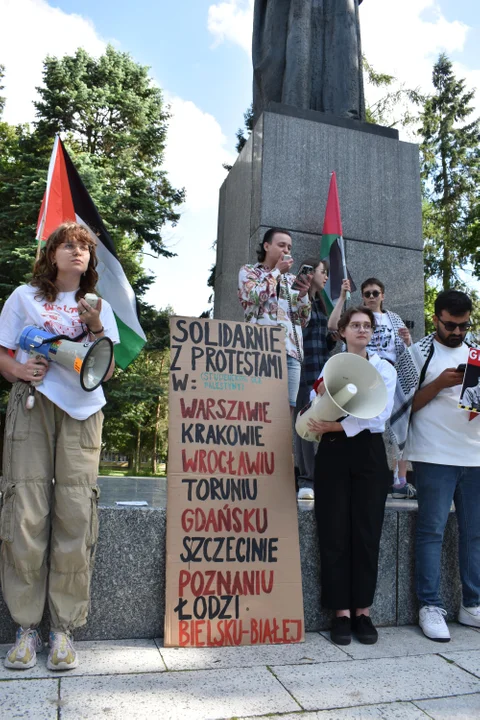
x=403, y=677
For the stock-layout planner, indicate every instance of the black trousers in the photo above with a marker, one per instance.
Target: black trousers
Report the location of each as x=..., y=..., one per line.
x=351, y=487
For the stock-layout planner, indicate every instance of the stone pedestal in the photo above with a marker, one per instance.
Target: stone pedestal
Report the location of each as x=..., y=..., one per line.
x=128, y=587
x=281, y=179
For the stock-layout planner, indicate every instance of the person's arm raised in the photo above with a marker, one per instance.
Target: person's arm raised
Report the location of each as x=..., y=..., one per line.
x=337, y=310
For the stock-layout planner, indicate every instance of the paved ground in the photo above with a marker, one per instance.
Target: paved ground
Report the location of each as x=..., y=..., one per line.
x=403, y=677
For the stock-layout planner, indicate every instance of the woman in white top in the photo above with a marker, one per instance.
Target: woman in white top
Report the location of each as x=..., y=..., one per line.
x=351, y=485
x=49, y=530
x=389, y=340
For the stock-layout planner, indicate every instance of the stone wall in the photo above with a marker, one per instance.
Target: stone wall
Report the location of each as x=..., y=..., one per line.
x=128, y=589
x=281, y=179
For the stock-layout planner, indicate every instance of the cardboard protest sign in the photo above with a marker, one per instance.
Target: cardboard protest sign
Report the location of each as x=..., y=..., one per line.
x=470, y=395
x=233, y=561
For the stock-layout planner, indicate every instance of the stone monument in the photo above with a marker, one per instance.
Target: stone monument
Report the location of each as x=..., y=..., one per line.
x=307, y=54
x=309, y=121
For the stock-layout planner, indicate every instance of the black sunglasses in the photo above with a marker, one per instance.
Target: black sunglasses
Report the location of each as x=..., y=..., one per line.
x=451, y=326
x=371, y=293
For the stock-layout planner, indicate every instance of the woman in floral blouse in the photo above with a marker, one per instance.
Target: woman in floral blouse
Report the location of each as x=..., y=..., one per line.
x=266, y=295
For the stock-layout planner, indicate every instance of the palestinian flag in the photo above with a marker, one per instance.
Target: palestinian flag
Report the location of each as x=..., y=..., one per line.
x=332, y=247
x=66, y=198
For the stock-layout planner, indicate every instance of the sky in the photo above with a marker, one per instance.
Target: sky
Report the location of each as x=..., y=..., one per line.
x=198, y=52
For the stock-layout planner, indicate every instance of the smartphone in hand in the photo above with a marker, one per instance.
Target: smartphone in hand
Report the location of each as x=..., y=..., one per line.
x=304, y=270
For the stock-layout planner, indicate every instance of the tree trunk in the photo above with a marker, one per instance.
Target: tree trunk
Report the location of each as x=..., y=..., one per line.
x=155, y=438
x=447, y=255
x=157, y=422
x=138, y=451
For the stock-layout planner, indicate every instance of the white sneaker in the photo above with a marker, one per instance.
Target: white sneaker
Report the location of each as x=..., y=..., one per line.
x=23, y=655
x=432, y=622
x=469, y=616
x=306, y=493
x=62, y=655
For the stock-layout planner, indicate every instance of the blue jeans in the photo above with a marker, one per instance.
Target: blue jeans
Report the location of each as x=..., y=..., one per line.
x=437, y=486
x=293, y=371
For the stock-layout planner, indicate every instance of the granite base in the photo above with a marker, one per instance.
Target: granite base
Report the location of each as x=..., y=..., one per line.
x=128, y=587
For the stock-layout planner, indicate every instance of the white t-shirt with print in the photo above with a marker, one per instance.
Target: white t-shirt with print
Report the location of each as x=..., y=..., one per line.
x=61, y=385
x=383, y=338
x=441, y=433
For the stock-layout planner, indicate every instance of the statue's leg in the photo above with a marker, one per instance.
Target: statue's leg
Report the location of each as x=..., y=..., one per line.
x=317, y=55
x=270, y=24
x=342, y=92
x=297, y=78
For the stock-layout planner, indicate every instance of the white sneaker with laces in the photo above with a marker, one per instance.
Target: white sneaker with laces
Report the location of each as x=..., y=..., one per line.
x=432, y=622
x=23, y=655
x=306, y=493
x=469, y=616
x=62, y=655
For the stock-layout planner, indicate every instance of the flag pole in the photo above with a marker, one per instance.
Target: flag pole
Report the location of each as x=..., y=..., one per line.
x=39, y=236
x=344, y=263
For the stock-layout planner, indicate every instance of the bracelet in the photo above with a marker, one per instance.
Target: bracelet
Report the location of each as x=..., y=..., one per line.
x=96, y=332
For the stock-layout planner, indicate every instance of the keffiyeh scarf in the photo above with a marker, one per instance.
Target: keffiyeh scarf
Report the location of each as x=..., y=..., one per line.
x=411, y=369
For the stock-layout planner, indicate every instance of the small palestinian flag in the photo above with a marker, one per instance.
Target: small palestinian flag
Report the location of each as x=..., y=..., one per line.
x=66, y=198
x=332, y=247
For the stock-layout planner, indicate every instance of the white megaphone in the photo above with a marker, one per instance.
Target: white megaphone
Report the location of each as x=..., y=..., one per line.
x=352, y=387
x=90, y=360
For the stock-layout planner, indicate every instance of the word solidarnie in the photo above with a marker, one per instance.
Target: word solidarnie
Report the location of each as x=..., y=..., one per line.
x=251, y=350
x=208, y=633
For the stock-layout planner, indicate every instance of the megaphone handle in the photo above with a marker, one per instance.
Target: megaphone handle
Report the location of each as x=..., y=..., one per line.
x=31, y=397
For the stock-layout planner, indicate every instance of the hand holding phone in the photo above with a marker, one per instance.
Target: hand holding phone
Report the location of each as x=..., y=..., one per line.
x=92, y=299
x=304, y=271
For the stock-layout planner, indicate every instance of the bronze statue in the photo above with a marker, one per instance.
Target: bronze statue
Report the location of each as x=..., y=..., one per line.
x=307, y=54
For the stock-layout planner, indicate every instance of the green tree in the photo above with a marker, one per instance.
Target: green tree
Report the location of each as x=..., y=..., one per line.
x=22, y=181
x=2, y=99
x=136, y=414
x=396, y=106
x=115, y=123
x=450, y=164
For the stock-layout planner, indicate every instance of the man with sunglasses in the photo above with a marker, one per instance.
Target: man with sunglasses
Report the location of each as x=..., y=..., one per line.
x=444, y=447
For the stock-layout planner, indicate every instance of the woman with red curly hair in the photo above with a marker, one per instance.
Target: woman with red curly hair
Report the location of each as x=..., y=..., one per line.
x=48, y=518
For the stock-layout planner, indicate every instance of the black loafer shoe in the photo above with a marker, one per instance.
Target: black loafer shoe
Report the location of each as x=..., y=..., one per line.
x=341, y=632
x=365, y=630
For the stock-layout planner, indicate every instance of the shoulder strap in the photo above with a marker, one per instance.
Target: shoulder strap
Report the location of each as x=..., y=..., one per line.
x=427, y=362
